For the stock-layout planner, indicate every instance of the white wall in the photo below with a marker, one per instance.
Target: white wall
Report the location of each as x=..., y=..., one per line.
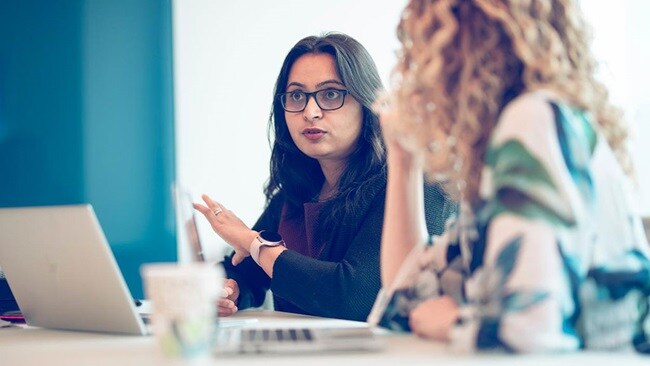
x=227, y=55
x=621, y=33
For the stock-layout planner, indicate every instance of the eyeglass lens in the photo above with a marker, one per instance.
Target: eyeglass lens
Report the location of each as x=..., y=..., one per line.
x=327, y=99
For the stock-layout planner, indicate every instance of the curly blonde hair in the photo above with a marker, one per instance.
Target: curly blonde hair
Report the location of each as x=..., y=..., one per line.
x=462, y=61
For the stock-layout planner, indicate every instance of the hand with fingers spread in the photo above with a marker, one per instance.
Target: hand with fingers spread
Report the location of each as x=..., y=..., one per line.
x=229, y=227
x=227, y=303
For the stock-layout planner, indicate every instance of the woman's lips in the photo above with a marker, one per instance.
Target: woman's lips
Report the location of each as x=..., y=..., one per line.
x=313, y=134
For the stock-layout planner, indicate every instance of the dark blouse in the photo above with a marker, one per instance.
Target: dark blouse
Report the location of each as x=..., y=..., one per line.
x=341, y=279
x=299, y=232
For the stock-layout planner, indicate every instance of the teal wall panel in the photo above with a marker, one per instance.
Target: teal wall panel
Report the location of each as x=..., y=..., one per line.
x=40, y=103
x=86, y=115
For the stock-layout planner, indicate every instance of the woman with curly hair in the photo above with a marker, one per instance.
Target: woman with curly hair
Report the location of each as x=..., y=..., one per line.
x=497, y=100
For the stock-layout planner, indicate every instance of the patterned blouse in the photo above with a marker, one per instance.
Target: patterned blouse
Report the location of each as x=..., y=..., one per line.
x=554, y=257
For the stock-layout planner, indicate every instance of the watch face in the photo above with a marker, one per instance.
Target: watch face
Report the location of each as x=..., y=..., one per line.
x=270, y=236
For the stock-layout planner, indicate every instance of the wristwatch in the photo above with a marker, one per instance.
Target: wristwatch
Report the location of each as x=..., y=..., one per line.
x=265, y=238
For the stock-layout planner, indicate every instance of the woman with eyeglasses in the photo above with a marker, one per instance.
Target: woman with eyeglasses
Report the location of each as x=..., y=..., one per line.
x=316, y=245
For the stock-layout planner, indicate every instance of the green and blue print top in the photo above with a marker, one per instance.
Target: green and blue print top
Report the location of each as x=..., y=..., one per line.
x=555, y=257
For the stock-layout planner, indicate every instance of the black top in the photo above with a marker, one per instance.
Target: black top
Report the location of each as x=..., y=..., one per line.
x=344, y=280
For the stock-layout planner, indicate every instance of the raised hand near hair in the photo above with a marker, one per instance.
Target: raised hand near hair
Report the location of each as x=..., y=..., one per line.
x=399, y=146
x=228, y=226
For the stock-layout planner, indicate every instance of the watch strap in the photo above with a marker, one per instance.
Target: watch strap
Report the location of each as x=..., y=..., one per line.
x=255, y=249
x=260, y=241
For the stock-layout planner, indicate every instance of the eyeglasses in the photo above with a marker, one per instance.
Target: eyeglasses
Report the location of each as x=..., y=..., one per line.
x=326, y=99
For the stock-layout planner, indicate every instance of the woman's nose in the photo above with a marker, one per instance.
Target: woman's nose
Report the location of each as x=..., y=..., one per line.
x=312, y=110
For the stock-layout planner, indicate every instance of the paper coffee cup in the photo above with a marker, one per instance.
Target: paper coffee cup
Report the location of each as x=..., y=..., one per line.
x=183, y=301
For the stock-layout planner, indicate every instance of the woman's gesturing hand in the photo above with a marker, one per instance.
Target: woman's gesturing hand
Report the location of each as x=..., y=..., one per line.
x=228, y=226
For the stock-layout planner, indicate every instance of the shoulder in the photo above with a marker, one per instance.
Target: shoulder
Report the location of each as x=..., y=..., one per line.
x=528, y=104
x=379, y=180
x=525, y=156
x=372, y=187
x=369, y=201
x=530, y=115
x=373, y=191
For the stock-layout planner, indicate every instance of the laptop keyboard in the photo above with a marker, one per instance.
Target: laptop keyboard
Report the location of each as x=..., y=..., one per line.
x=238, y=335
x=276, y=335
x=241, y=340
x=280, y=340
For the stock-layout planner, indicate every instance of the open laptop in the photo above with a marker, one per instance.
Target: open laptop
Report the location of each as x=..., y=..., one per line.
x=64, y=276
x=188, y=233
x=240, y=335
x=62, y=272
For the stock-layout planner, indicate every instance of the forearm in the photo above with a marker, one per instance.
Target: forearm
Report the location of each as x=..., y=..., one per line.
x=268, y=256
x=345, y=289
x=404, y=226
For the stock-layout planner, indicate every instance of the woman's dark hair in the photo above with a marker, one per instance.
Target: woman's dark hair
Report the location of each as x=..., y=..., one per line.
x=299, y=177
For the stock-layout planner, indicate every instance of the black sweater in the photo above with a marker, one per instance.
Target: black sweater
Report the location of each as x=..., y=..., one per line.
x=344, y=280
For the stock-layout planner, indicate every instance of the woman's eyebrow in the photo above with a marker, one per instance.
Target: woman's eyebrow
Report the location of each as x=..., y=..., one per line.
x=294, y=83
x=319, y=85
x=323, y=83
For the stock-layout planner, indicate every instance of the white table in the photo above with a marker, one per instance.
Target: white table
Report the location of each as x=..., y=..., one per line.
x=34, y=346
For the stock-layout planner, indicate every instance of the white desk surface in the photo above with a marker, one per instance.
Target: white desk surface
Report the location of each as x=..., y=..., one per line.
x=34, y=346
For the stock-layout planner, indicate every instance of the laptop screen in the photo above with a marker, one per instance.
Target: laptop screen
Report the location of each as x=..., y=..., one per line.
x=7, y=301
x=188, y=231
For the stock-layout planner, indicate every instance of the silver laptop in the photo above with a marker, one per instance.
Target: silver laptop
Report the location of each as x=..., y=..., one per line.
x=62, y=271
x=236, y=335
x=296, y=339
